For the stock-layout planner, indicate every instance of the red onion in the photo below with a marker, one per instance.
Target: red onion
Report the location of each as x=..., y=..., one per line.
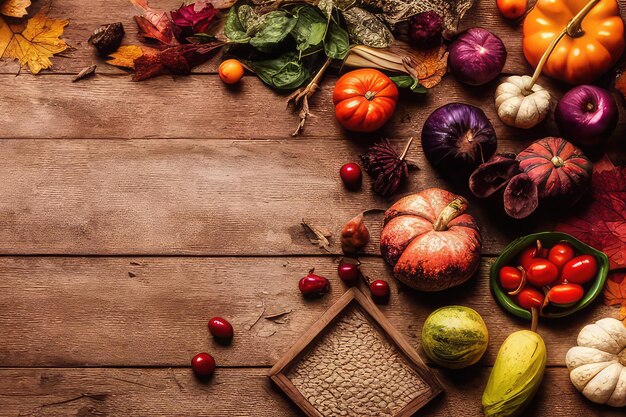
x=457, y=138
x=477, y=56
x=586, y=115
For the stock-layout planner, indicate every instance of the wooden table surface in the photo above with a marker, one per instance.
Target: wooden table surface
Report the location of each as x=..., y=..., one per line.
x=130, y=213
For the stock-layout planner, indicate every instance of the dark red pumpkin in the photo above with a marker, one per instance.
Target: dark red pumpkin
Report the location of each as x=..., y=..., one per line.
x=429, y=241
x=561, y=171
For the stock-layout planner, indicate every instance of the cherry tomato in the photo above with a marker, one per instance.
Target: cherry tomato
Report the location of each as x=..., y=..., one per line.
x=560, y=254
x=529, y=298
x=510, y=278
x=580, y=270
x=512, y=9
x=565, y=295
x=542, y=272
x=530, y=253
x=231, y=71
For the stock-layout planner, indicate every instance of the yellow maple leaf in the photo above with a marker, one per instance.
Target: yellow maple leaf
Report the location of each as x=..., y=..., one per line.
x=125, y=56
x=14, y=8
x=36, y=44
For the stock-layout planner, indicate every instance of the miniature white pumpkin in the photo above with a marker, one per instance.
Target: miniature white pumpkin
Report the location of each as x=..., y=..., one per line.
x=520, y=103
x=598, y=364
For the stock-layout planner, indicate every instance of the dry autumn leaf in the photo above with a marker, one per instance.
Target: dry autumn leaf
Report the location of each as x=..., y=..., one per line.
x=14, y=8
x=615, y=294
x=35, y=44
x=126, y=55
x=428, y=66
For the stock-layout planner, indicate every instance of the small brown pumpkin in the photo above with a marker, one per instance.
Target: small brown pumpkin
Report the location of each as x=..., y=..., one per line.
x=429, y=241
x=561, y=171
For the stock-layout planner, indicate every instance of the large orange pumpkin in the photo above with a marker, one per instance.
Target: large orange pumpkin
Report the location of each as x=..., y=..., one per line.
x=430, y=242
x=581, y=57
x=365, y=100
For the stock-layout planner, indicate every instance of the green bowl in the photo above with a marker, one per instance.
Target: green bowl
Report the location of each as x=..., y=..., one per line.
x=548, y=239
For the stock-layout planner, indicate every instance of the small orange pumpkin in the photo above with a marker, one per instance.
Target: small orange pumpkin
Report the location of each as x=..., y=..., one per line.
x=365, y=100
x=586, y=51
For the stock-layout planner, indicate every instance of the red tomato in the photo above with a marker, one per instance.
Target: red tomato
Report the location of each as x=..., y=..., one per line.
x=561, y=253
x=530, y=297
x=510, y=278
x=530, y=253
x=542, y=272
x=565, y=295
x=580, y=270
x=365, y=100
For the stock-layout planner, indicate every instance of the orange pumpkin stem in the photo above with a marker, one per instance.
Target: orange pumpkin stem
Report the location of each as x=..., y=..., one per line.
x=572, y=29
x=452, y=210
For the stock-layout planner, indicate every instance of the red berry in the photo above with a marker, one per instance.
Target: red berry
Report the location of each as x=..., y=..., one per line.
x=349, y=272
x=379, y=288
x=203, y=364
x=220, y=328
x=314, y=285
x=351, y=176
x=529, y=298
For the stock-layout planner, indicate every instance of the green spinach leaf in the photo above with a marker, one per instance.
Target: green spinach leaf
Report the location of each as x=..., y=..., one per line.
x=337, y=42
x=283, y=73
x=234, y=29
x=406, y=81
x=274, y=28
x=310, y=27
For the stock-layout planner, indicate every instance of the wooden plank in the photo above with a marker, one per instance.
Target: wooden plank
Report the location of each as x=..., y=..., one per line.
x=236, y=392
x=203, y=107
x=153, y=311
x=83, y=20
x=199, y=197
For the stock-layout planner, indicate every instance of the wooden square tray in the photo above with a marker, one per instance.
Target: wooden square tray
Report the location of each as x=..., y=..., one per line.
x=353, y=362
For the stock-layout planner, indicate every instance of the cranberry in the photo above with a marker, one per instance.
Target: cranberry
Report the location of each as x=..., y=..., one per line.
x=220, y=328
x=314, y=285
x=349, y=272
x=351, y=176
x=203, y=364
x=379, y=288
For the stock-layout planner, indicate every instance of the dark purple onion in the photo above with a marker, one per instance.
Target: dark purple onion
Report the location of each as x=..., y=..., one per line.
x=425, y=30
x=457, y=138
x=586, y=115
x=477, y=56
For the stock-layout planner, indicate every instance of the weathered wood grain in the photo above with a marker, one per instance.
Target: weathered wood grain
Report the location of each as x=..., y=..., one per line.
x=203, y=107
x=200, y=197
x=153, y=311
x=236, y=393
x=83, y=20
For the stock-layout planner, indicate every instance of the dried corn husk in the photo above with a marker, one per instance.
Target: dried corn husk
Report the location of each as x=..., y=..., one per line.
x=425, y=66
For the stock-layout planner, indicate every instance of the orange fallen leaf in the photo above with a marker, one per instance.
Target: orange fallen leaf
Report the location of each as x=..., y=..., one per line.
x=126, y=55
x=14, y=8
x=429, y=65
x=35, y=44
x=615, y=294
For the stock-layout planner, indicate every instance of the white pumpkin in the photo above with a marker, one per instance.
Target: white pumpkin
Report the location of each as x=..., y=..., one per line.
x=521, y=105
x=598, y=364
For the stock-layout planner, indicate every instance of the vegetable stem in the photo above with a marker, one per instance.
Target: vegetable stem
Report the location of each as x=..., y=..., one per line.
x=572, y=29
x=452, y=210
x=300, y=97
x=406, y=148
x=534, y=319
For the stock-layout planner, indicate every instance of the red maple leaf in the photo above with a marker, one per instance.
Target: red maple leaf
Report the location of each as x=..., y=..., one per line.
x=177, y=60
x=601, y=222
